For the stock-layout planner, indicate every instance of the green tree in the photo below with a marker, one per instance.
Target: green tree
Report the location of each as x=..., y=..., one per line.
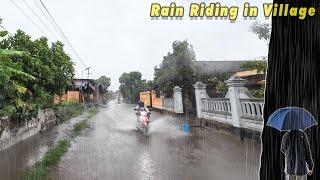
x=260, y=66
x=262, y=29
x=12, y=82
x=130, y=85
x=13, y=86
x=105, y=82
x=211, y=80
x=40, y=71
x=221, y=88
x=177, y=69
x=51, y=66
x=63, y=69
x=146, y=85
x=258, y=93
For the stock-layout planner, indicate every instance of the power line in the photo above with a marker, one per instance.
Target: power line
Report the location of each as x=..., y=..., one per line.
x=46, y=16
x=65, y=37
x=35, y=14
x=54, y=25
x=52, y=22
x=5, y=29
x=21, y=10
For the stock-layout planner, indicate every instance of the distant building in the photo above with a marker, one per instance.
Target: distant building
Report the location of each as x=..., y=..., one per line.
x=82, y=91
x=211, y=67
x=255, y=79
x=81, y=83
x=229, y=68
x=90, y=91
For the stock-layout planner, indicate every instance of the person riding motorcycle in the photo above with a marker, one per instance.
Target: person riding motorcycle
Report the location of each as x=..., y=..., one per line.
x=143, y=117
x=140, y=107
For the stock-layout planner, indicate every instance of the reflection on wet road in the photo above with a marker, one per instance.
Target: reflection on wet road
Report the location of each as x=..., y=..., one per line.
x=113, y=149
x=15, y=160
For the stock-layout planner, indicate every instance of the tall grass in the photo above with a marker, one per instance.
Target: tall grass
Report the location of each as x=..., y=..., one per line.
x=66, y=111
x=93, y=111
x=52, y=157
x=78, y=127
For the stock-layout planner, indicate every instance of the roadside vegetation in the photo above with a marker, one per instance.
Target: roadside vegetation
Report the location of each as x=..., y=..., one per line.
x=31, y=73
x=66, y=111
x=177, y=68
x=93, y=111
x=51, y=158
x=131, y=84
x=104, y=83
x=41, y=169
x=78, y=127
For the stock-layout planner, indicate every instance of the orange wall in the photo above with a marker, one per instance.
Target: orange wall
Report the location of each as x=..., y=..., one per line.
x=156, y=102
x=73, y=96
x=145, y=97
x=70, y=96
x=153, y=101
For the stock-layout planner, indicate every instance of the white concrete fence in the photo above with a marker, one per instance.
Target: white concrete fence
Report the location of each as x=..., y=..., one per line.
x=168, y=104
x=238, y=109
x=174, y=104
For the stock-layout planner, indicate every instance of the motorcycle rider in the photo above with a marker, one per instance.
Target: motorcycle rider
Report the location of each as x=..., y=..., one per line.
x=140, y=107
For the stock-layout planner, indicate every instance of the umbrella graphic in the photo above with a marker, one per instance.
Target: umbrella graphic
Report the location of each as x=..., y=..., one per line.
x=291, y=118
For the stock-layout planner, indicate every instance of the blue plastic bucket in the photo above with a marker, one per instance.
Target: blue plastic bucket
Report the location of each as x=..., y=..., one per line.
x=185, y=128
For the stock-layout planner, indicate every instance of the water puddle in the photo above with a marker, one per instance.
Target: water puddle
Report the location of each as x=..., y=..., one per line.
x=145, y=167
x=166, y=125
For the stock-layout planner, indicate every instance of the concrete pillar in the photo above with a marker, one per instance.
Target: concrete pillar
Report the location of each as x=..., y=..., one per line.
x=200, y=92
x=236, y=87
x=177, y=99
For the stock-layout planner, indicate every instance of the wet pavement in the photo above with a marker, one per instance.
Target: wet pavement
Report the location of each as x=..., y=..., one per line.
x=111, y=148
x=15, y=160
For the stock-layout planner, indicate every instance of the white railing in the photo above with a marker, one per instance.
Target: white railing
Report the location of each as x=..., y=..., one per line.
x=216, y=106
x=238, y=108
x=252, y=108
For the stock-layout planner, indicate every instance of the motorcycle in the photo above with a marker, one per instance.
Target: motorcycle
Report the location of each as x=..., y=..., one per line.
x=143, y=121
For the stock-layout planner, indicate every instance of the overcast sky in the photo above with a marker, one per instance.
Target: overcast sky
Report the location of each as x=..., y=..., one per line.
x=119, y=36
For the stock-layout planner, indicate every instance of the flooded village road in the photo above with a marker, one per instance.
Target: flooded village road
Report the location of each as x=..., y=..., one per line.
x=111, y=148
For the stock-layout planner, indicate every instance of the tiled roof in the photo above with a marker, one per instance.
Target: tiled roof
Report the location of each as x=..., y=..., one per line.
x=247, y=73
x=209, y=67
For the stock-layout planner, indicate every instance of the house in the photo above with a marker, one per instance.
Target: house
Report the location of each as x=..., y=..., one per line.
x=230, y=68
x=80, y=84
x=211, y=67
x=84, y=90
x=90, y=91
x=255, y=79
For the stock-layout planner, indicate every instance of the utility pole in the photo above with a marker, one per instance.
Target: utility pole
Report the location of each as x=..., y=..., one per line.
x=86, y=95
x=88, y=69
